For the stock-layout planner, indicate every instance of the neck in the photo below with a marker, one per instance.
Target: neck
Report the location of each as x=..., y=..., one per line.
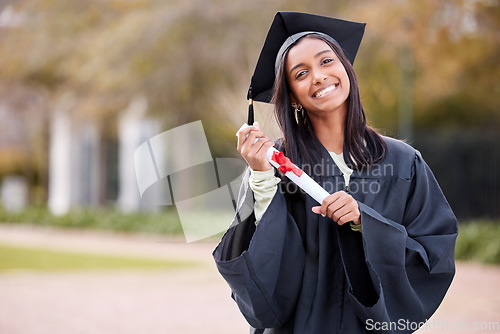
x=329, y=129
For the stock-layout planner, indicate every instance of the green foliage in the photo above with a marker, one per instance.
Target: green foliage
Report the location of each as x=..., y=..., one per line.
x=479, y=241
x=166, y=222
x=20, y=258
x=179, y=55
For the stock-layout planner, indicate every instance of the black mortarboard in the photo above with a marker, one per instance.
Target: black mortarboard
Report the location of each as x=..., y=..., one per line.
x=284, y=32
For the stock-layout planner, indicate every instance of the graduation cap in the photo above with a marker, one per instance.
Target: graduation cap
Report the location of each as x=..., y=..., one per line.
x=287, y=28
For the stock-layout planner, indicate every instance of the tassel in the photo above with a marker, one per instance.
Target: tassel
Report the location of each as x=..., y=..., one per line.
x=250, y=107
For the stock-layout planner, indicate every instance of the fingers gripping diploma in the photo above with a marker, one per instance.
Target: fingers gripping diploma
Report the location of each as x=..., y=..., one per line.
x=340, y=207
x=253, y=145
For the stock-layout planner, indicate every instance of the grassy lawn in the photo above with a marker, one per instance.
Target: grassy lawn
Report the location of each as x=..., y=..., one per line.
x=478, y=240
x=21, y=258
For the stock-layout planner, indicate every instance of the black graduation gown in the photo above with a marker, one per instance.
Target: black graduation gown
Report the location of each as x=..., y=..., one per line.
x=297, y=272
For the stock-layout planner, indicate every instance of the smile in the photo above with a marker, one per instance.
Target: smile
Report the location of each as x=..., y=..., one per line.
x=325, y=91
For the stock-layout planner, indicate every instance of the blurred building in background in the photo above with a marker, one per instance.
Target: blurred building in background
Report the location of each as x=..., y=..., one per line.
x=82, y=172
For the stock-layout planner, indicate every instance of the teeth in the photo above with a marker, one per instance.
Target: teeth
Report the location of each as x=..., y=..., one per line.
x=324, y=91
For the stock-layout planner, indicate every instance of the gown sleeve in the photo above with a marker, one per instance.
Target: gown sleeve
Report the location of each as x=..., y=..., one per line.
x=264, y=186
x=410, y=264
x=261, y=263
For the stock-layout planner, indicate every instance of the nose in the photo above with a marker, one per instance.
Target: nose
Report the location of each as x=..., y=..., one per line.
x=318, y=77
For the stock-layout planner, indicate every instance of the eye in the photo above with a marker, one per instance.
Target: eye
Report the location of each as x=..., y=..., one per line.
x=300, y=74
x=326, y=61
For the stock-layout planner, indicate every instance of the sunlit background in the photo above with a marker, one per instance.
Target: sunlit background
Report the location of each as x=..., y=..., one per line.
x=84, y=83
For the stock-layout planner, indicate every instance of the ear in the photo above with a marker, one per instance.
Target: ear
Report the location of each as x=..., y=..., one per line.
x=294, y=101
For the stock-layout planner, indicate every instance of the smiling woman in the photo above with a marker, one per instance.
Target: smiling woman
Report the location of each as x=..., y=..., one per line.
x=379, y=248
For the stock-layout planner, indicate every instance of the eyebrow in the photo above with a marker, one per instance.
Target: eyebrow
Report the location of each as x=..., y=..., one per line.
x=316, y=56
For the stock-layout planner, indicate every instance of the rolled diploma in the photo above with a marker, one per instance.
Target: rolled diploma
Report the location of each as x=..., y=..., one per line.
x=305, y=182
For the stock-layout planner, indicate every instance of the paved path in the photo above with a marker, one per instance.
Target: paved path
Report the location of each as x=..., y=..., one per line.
x=193, y=300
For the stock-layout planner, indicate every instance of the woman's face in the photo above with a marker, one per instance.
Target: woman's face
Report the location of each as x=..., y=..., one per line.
x=317, y=78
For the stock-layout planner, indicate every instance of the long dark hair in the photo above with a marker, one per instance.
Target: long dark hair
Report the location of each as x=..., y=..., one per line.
x=363, y=146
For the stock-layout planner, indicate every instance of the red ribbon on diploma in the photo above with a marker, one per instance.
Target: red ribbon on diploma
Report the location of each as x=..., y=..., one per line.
x=285, y=164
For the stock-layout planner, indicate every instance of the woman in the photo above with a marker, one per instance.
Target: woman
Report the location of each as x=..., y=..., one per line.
x=377, y=254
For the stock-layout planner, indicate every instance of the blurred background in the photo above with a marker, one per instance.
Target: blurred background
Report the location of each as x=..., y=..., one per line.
x=84, y=83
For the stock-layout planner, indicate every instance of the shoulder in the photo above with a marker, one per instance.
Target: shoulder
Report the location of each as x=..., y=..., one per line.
x=401, y=156
x=399, y=147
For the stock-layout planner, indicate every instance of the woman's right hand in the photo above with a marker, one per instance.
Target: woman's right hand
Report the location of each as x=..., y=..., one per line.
x=253, y=145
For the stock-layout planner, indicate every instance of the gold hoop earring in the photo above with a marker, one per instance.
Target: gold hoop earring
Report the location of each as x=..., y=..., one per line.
x=299, y=109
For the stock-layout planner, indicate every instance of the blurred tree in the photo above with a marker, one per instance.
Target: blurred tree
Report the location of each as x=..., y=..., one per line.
x=456, y=46
x=176, y=54
x=193, y=59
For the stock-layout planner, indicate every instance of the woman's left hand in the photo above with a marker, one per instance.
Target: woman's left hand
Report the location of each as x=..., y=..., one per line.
x=341, y=207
